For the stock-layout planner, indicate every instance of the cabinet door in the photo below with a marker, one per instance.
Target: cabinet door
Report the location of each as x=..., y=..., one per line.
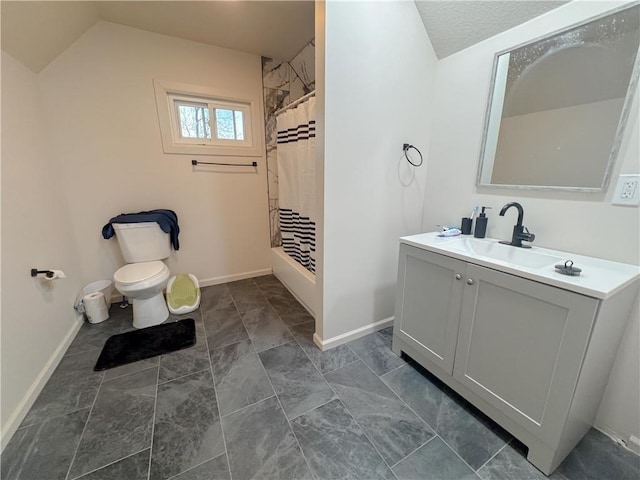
x=428, y=303
x=521, y=346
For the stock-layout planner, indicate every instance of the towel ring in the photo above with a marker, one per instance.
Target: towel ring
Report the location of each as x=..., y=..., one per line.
x=406, y=147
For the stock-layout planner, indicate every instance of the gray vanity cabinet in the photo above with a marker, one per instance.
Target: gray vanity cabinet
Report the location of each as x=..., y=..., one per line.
x=521, y=345
x=428, y=304
x=532, y=356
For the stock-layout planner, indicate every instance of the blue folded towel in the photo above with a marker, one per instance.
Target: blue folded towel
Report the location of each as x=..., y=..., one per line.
x=166, y=219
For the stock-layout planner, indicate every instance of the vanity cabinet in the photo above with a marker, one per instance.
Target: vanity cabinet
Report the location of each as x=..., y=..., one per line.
x=531, y=356
x=429, y=304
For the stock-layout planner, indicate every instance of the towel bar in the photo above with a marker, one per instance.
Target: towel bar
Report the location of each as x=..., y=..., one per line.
x=197, y=162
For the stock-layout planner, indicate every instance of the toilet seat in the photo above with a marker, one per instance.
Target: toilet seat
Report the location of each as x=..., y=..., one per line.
x=135, y=273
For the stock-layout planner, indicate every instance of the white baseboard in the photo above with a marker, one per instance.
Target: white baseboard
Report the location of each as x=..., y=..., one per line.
x=38, y=384
x=206, y=282
x=630, y=444
x=352, y=335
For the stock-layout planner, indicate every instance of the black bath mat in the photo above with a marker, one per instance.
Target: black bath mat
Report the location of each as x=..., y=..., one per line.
x=146, y=343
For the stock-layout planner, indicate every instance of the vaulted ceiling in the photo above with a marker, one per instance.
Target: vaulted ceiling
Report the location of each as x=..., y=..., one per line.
x=36, y=32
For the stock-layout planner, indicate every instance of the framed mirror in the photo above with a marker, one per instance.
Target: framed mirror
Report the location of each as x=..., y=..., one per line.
x=559, y=104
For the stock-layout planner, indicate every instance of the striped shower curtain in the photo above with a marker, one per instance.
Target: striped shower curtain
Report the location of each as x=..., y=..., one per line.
x=296, y=182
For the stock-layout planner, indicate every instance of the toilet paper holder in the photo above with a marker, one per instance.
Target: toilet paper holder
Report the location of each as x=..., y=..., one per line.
x=47, y=273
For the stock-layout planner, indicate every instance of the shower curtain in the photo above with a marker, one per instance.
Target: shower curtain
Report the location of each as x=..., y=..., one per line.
x=296, y=182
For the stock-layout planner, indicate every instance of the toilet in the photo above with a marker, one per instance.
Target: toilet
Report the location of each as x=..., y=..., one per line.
x=144, y=246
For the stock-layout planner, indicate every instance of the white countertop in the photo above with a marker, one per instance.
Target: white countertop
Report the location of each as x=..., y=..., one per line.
x=599, y=278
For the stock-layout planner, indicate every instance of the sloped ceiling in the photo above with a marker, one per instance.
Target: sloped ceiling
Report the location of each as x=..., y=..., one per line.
x=454, y=25
x=37, y=32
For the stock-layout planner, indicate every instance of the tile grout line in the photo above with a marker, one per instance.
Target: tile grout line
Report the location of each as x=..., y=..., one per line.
x=343, y=366
x=494, y=455
x=215, y=390
x=247, y=406
x=132, y=373
x=354, y=418
x=367, y=437
x=358, y=358
x=391, y=371
x=457, y=455
x=314, y=408
x=358, y=423
x=414, y=451
x=408, y=406
x=295, y=340
x=435, y=431
x=181, y=376
x=84, y=428
x=40, y=422
x=422, y=419
x=153, y=420
x=111, y=463
x=195, y=466
x=306, y=461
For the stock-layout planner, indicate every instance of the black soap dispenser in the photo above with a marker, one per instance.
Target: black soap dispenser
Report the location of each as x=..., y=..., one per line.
x=481, y=224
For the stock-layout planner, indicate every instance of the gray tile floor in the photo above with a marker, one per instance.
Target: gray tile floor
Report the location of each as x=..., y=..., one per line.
x=255, y=398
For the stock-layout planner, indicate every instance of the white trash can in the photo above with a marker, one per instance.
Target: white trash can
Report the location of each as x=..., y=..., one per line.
x=102, y=286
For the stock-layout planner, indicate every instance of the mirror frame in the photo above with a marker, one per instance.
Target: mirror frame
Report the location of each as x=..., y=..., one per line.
x=622, y=123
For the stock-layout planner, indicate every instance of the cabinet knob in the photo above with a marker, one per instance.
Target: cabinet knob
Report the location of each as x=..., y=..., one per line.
x=470, y=281
x=458, y=276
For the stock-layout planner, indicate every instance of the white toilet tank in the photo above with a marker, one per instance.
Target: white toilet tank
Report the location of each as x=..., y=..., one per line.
x=142, y=242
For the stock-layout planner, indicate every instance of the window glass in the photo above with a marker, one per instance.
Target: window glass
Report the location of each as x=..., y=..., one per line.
x=225, y=125
x=239, y=125
x=194, y=121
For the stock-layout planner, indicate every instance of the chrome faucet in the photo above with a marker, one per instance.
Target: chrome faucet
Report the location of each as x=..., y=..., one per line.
x=520, y=232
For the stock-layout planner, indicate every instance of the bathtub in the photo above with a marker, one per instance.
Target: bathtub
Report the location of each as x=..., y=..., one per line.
x=298, y=280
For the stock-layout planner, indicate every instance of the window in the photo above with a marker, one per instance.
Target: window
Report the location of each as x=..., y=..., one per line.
x=194, y=120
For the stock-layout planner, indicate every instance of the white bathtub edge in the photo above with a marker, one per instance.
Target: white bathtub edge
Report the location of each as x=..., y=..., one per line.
x=298, y=280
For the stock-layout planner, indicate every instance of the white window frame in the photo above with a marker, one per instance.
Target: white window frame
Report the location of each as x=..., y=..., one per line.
x=167, y=93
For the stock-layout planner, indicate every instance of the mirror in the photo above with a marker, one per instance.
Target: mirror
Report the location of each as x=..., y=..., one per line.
x=558, y=106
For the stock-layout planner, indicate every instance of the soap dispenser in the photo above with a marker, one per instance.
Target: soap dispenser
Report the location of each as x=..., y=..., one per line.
x=481, y=224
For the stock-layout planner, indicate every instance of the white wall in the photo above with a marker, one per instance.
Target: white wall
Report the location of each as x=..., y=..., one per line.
x=320, y=27
x=37, y=318
x=378, y=90
x=581, y=223
x=81, y=144
x=100, y=108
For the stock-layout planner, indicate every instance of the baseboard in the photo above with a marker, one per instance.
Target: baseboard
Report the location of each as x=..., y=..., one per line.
x=352, y=335
x=630, y=444
x=207, y=282
x=36, y=387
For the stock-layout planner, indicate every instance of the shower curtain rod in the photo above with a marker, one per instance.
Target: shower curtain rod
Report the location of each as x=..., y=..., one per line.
x=295, y=102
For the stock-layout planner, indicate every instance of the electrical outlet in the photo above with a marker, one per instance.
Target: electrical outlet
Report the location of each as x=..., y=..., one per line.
x=627, y=191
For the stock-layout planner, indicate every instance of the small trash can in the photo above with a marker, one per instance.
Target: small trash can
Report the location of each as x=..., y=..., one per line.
x=102, y=286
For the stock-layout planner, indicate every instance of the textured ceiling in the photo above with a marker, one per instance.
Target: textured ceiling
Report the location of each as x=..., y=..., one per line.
x=37, y=32
x=454, y=25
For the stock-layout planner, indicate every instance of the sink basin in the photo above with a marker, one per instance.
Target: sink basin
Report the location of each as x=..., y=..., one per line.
x=524, y=257
x=599, y=278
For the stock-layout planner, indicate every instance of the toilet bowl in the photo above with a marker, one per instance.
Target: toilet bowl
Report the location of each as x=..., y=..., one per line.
x=142, y=283
x=142, y=280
